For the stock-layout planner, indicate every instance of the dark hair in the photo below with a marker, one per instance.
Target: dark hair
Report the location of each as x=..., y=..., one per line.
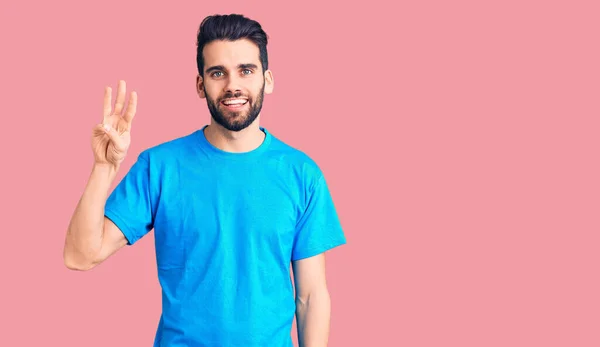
x=230, y=27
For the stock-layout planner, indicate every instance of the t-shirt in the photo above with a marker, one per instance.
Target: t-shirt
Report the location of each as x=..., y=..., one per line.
x=226, y=227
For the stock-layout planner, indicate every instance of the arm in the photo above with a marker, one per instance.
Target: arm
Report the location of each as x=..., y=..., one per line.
x=91, y=238
x=313, y=305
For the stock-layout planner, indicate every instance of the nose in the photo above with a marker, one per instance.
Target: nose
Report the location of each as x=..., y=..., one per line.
x=233, y=85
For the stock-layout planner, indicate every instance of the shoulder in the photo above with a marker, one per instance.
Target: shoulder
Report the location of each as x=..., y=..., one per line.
x=295, y=160
x=169, y=150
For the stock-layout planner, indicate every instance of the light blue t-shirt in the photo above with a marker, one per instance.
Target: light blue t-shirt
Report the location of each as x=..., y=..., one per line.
x=226, y=227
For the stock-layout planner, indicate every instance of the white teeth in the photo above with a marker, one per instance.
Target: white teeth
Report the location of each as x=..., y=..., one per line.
x=235, y=102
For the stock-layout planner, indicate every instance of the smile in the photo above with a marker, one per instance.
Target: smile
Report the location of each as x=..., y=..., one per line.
x=234, y=103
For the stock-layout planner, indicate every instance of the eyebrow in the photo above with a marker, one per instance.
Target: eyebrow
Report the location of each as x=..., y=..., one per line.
x=240, y=66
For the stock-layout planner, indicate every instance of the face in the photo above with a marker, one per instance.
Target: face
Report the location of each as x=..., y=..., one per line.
x=234, y=83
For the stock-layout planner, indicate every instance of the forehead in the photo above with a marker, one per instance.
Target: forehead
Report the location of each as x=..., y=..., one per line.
x=230, y=53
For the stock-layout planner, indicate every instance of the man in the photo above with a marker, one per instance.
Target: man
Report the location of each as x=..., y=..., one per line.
x=231, y=205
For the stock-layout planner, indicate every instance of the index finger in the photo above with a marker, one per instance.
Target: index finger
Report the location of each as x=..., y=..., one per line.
x=107, y=101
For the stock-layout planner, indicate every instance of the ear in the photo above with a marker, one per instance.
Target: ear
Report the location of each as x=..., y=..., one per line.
x=269, y=82
x=200, y=87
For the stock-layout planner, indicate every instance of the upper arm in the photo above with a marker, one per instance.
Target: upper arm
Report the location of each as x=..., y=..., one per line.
x=309, y=275
x=112, y=240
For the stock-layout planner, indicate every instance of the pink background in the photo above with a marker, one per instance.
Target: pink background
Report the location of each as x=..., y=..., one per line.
x=459, y=139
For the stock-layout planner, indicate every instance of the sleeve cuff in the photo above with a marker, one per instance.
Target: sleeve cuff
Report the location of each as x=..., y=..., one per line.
x=122, y=225
x=315, y=251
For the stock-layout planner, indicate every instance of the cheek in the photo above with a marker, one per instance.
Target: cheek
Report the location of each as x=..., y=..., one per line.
x=211, y=94
x=256, y=91
x=211, y=89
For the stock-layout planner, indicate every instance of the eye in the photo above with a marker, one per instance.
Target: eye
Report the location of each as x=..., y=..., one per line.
x=246, y=70
x=214, y=74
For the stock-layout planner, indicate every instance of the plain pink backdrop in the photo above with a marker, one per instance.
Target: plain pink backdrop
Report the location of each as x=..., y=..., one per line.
x=459, y=140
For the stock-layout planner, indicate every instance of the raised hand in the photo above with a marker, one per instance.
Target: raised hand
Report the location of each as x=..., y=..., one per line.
x=112, y=137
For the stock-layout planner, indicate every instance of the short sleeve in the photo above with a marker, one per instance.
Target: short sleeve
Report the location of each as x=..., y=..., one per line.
x=129, y=206
x=319, y=228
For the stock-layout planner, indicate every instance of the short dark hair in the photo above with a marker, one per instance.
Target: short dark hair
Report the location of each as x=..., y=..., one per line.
x=230, y=27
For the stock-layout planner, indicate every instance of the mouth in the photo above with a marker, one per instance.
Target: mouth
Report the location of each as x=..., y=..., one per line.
x=234, y=104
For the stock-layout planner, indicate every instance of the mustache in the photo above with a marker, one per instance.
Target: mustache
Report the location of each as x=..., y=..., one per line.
x=233, y=95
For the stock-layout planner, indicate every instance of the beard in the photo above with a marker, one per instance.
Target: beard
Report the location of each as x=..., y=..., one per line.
x=235, y=120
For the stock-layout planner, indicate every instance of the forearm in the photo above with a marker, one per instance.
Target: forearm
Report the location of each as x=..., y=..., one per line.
x=84, y=235
x=312, y=319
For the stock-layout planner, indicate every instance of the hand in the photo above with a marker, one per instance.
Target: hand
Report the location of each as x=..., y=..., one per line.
x=111, y=138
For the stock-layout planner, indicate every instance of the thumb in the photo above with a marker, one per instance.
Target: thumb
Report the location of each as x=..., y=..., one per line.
x=112, y=135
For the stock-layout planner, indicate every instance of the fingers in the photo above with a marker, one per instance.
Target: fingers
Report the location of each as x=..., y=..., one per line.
x=107, y=103
x=120, y=102
x=113, y=135
x=131, y=108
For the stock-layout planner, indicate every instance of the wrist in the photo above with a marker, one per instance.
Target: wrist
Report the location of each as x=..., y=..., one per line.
x=105, y=169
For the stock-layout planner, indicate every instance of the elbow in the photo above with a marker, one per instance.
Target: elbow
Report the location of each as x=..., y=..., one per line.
x=76, y=262
x=320, y=295
x=78, y=266
x=74, y=265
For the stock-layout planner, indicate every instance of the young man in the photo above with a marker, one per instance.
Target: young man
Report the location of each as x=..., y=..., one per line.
x=231, y=207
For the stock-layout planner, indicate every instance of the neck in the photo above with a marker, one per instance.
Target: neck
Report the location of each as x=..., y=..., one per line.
x=241, y=141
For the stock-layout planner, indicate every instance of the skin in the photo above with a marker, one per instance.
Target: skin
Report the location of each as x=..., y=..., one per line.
x=231, y=69
x=313, y=302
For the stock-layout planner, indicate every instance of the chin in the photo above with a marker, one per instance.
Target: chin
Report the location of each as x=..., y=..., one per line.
x=234, y=125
